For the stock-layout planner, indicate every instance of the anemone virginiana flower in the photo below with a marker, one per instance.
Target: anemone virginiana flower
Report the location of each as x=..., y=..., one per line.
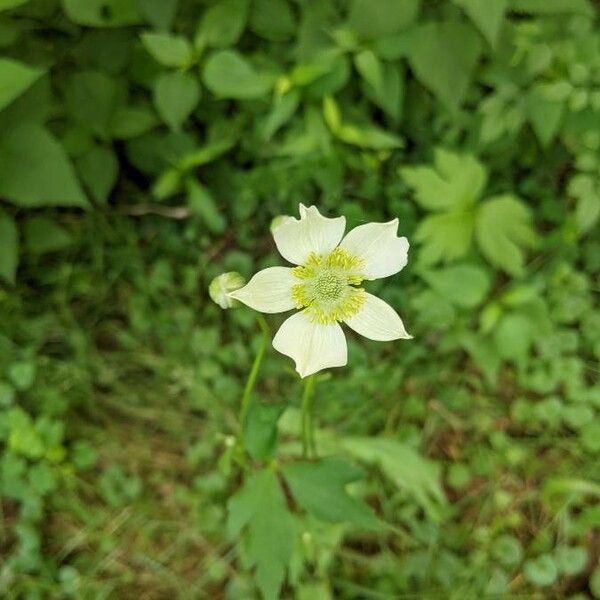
x=325, y=286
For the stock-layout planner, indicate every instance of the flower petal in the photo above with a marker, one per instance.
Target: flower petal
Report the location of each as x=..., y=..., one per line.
x=312, y=346
x=379, y=246
x=269, y=291
x=377, y=320
x=297, y=238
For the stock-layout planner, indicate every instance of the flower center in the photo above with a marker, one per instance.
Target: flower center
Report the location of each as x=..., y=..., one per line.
x=327, y=290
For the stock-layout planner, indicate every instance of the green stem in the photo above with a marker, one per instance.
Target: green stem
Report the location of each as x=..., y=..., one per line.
x=264, y=327
x=308, y=430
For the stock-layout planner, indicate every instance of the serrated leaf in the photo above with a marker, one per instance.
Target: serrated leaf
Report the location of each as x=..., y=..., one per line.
x=260, y=428
x=15, y=78
x=442, y=56
x=445, y=237
x=464, y=285
x=320, y=489
x=503, y=229
x=455, y=181
x=407, y=469
x=9, y=248
x=35, y=170
x=260, y=511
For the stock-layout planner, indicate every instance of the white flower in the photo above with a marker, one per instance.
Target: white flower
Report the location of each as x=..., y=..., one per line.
x=325, y=287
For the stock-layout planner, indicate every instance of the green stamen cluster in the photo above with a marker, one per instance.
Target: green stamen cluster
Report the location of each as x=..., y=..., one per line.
x=327, y=290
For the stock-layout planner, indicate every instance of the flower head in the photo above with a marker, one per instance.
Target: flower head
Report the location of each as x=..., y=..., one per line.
x=325, y=286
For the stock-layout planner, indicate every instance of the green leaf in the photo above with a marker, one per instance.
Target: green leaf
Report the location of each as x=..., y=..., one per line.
x=272, y=20
x=223, y=23
x=544, y=115
x=131, y=121
x=92, y=98
x=541, y=571
x=513, y=337
x=379, y=18
x=365, y=136
x=320, y=489
x=455, y=181
x=99, y=169
x=408, y=470
x=227, y=74
x=167, y=49
x=8, y=4
x=9, y=248
x=260, y=429
x=260, y=509
x=464, y=285
x=35, y=171
x=488, y=16
x=503, y=228
x=175, y=97
x=443, y=56
x=445, y=237
x=571, y=561
x=15, y=78
x=552, y=7
x=43, y=235
x=507, y=550
x=160, y=13
x=384, y=82
x=102, y=13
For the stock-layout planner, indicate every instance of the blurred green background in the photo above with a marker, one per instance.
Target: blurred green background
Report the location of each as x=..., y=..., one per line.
x=145, y=147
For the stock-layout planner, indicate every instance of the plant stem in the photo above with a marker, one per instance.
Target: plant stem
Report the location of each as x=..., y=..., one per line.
x=308, y=430
x=264, y=327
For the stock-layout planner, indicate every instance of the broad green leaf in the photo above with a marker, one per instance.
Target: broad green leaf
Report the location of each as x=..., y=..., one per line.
x=503, y=229
x=379, y=18
x=445, y=236
x=488, y=16
x=365, y=136
x=544, y=115
x=442, y=56
x=260, y=429
x=15, y=78
x=320, y=489
x=102, y=13
x=514, y=338
x=384, y=82
x=508, y=550
x=223, y=24
x=175, y=97
x=35, y=171
x=8, y=4
x=455, y=182
x=43, y=235
x=541, y=571
x=260, y=510
x=571, y=561
x=92, y=98
x=99, y=169
x=464, y=285
x=407, y=469
x=227, y=74
x=272, y=19
x=160, y=13
x=552, y=7
x=131, y=121
x=9, y=248
x=167, y=49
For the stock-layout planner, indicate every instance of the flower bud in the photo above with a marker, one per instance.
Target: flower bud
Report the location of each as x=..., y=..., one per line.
x=222, y=285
